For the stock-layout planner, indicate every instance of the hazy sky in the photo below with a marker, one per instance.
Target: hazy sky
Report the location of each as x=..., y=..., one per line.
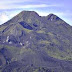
x=62, y=8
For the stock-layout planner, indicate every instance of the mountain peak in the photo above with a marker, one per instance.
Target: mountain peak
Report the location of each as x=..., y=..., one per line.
x=53, y=17
x=28, y=12
x=33, y=13
x=26, y=16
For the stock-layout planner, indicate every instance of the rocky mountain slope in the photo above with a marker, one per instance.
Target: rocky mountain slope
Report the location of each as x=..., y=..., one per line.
x=31, y=43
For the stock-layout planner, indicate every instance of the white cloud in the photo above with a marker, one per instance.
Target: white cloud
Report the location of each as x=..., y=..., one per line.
x=20, y=4
x=3, y=18
x=14, y=1
x=25, y=6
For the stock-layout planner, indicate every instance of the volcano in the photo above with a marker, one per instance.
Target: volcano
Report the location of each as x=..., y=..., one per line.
x=33, y=43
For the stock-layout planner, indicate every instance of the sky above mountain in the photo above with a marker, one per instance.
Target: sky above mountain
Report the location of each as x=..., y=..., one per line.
x=62, y=8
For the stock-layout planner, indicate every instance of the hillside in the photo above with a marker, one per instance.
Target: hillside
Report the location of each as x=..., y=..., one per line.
x=32, y=43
